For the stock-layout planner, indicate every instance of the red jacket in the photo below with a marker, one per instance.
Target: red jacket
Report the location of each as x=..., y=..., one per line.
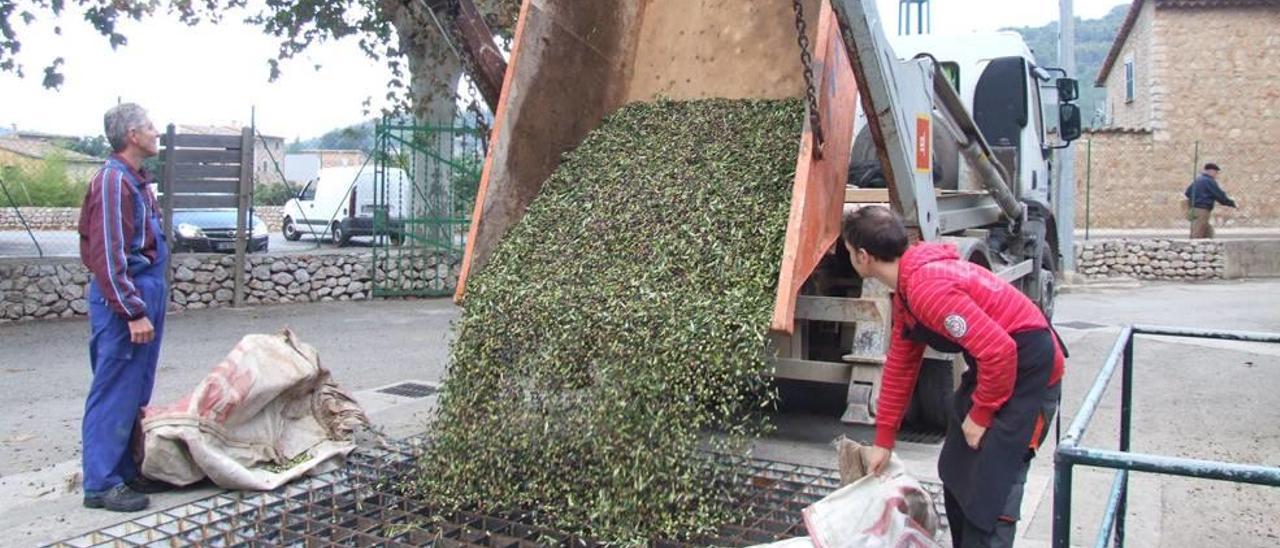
x=968, y=305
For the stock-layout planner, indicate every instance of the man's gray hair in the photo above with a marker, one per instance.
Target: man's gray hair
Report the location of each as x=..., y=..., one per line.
x=119, y=120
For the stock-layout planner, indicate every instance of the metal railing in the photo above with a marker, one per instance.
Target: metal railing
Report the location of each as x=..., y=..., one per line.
x=1072, y=453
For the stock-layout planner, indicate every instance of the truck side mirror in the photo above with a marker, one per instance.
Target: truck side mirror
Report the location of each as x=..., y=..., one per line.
x=1068, y=122
x=1068, y=90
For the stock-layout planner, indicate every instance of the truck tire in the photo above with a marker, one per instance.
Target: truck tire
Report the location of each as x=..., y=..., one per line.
x=1046, y=277
x=930, y=404
x=290, y=230
x=340, y=236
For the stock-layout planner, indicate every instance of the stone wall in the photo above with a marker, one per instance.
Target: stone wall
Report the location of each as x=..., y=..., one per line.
x=55, y=288
x=1219, y=66
x=1205, y=94
x=1138, y=48
x=272, y=215
x=66, y=218
x=1131, y=180
x=40, y=218
x=1157, y=259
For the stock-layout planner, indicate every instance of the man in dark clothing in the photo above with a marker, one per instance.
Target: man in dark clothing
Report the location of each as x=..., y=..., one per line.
x=122, y=245
x=1007, y=397
x=1201, y=195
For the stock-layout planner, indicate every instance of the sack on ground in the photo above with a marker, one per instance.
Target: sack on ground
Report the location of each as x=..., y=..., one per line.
x=889, y=510
x=266, y=415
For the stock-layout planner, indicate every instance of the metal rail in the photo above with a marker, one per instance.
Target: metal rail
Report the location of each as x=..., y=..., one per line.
x=1071, y=453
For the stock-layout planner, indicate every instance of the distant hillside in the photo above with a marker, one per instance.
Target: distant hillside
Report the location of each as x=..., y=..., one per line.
x=356, y=137
x=1093, y=41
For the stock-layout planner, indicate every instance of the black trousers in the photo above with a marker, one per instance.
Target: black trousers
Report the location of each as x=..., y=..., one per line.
x=966, y=535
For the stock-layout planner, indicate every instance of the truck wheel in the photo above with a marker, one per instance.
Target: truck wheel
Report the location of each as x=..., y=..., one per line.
x=290, y=230
x=931, y=402
x=1041, y=284
x=1046, y=281
x=340, y=236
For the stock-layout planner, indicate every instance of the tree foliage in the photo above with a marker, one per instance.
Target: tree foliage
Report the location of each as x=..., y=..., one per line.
x=43, y=184
x=401, y=33
x=1093, y=41
x=354, y=137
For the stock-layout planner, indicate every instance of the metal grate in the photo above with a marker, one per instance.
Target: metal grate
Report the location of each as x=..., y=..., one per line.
x=913, y=435
x=359, y=505
x=410, y=390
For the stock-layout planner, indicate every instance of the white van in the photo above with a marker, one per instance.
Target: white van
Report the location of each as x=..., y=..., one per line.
x=339, y=204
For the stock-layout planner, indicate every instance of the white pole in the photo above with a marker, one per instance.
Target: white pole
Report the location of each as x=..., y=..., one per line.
x=1065, y=189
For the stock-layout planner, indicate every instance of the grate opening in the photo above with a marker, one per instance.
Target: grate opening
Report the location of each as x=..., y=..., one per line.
x=916, y=435
x=410, y=390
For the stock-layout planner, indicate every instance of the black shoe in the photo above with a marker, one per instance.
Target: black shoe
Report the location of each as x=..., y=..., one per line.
x=148, y=486
x=118, y=499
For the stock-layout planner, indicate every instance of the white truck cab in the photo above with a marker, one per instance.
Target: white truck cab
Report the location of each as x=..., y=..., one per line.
x=340, y=203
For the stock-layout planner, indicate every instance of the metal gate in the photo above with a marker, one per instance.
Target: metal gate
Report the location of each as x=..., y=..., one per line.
x=425, y=183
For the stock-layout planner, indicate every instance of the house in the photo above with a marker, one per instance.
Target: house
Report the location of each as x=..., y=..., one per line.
x=268, y=151
x=304, y=165
x=30, y=154
x=1187, y=82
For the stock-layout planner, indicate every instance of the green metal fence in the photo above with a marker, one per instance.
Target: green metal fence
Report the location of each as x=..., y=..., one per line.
x=426, y=178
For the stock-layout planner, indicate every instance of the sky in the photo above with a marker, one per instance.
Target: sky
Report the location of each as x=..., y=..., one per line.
x=217, y=74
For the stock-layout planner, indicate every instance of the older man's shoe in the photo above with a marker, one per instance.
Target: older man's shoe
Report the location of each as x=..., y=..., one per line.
x=148, y=486
x=118, y=499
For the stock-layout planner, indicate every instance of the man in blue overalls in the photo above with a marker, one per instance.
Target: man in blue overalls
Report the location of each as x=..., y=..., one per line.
x=122, y=245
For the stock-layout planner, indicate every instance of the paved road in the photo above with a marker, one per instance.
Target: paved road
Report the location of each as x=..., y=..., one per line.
x=1195, y=399
x=66, y=244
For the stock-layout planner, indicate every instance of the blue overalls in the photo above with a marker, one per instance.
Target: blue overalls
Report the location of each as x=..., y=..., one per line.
x=123, y=374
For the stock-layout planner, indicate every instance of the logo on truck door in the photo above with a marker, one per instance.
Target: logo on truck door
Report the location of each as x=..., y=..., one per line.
x=924, y=139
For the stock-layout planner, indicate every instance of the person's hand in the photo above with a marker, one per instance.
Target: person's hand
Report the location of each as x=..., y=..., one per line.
x=141, y=331
x=973, y=432
x=878, y=459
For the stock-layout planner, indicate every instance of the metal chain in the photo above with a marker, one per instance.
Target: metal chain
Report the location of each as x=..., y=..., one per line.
x=811, y=95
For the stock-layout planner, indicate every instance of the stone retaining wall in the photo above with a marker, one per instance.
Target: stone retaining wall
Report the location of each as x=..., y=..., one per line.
x=272, y=215
x=40, y=218
x=66, y=218
x=1157, y=259
x=55, y=288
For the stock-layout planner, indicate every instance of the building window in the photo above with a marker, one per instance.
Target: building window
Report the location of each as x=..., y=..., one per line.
x=1128, y=80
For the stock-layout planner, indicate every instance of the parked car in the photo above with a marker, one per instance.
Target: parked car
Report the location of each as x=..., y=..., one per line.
x=339, y=204
x=214, y=230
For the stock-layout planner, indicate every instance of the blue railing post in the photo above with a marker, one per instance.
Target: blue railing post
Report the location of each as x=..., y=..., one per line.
x=1126, y=430
x=1061, y=501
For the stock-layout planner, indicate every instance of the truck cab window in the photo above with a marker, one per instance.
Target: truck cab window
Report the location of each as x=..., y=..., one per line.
x=308, y=192
x=951, y=71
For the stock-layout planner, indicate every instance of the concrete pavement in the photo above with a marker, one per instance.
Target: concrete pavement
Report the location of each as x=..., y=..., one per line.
x=1201, y=399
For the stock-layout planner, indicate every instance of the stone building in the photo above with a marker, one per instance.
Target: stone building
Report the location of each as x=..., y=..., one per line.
x=1187, y=81
x=268, y=151
x=29, y=154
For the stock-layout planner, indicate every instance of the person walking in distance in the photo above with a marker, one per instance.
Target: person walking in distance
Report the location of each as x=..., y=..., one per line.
x=1201, y=195
x=1007, y=397
x=124, y=248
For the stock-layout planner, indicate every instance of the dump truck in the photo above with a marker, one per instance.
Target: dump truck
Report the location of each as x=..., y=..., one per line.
x=958, y=135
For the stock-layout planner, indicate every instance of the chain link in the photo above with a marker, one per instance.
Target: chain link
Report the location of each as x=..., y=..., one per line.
x=811, y=95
